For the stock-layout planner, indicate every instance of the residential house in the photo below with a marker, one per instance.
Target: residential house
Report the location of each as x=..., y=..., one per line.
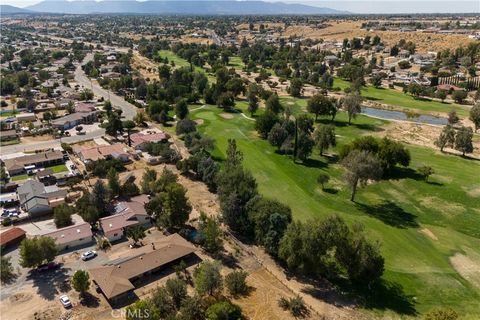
x=72, y=236
x=116, y=278
x=18, y=165
x=25, y=117
x=8, y=135
x=11, y=237
x=140, y=140
x=84, y=107
x=127, y=214
x=115, y=151
x=74, y=119
x=37, y=199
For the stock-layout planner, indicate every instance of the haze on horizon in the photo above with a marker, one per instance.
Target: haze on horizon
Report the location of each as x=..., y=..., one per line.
x=356, y=6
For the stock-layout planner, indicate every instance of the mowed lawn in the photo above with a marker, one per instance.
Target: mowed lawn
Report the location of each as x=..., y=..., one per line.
x=420, y=225
x=180, y=62
x=400, y=99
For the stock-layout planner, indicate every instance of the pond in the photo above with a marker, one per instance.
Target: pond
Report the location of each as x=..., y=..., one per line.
x=400, y=115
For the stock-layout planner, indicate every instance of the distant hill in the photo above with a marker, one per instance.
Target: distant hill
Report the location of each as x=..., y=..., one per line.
x=208, y=7
x=7, y=9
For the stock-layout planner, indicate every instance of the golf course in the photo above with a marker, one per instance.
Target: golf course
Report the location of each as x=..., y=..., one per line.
x=429, y=231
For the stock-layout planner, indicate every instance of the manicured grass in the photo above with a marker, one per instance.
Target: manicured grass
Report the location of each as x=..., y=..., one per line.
x=58, y=168
x=19, y=177
x=399, y=99
x=236, y=62
x=9, y=113
x=393, y=211
x=180, y=62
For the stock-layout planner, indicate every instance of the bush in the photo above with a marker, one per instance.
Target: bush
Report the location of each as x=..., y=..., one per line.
x=224, y=310
x=6, y=222
x=296, y=306
x=236, y=283
x=100, y=167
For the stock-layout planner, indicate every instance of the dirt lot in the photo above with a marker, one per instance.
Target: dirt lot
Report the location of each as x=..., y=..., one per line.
x=339, y=30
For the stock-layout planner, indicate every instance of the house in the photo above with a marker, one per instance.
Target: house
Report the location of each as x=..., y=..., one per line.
x=18, y=165
x=116, y=278
x=37, y=199
x=72, y=236
x=448, y=87
x=72, y=120
x=84, y=107
x=331, y=59
x=127, y=214
x=8, y=135
x=11, y=237
x=140, y=140
x=25, y=117
x=115, y=151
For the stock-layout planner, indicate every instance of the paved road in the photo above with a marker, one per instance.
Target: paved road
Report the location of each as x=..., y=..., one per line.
x=129, y=110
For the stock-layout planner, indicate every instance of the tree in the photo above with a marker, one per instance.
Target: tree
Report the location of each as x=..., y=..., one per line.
x=185, y=126
x=210, y=234
x=463, y=140
x=99, y=197
x=128, y=125
x=459, y=95
x=319, y=104
x=425, y=172
x=353, y=105
x=305, y=145
x=224, y=310
x=136, y=233
x=376, y=80
x=475, y=116
x=446, y=138
x=62, y=215
x=324, y=137
x=207, y=278
x=277, y=135
x=252, y=102
x=390, y=153
x=441, y=94
x=142, y=310
x=36, y=251
x=265, y=123
x=113, y=182
x=236, y=283
x=273, y=104
x=6, y=269
x=270, y=218
x=140, y=118
x=175, y=206
x=453, y=117
x=86, y=94
x=322, y=179
x=177, y=289
x=81, y=282
x=181, y=109
x=442, y=314
x=192, y=309
x=361, y=166
x=114, y=125
x=148, y=179
x=296, y=86
x=163, y=302
x=226, y=100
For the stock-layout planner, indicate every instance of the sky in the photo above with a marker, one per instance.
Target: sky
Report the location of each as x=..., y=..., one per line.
x=362, y=6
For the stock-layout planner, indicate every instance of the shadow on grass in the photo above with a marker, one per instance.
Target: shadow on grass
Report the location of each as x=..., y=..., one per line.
x=434, y=183
x=330, y=190
x=389, y=213
x=313, y=163
x=403, y=173
x=384, y=295
x=341, y=124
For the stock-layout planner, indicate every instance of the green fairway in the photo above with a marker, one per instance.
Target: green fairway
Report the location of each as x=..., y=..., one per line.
x=420, y=225
x=236, y=62
x=180, y=62
x=399, y=99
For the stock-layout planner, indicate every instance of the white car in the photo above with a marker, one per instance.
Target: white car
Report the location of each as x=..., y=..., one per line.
x=65, y=302
x=89, y=255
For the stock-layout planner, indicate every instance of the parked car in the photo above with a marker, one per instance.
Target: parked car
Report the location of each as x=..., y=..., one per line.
x=89, y=255
x=65, y=301
x=47, y=266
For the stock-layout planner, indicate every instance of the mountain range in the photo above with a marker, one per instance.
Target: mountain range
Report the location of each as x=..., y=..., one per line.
x=188, y=7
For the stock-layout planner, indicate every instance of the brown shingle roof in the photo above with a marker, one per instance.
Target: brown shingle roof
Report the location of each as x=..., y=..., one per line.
x=20, y=162
x=10, y=235
x=114, y=277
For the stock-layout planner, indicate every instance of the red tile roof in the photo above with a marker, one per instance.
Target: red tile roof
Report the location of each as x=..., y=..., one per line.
x=10, y=235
